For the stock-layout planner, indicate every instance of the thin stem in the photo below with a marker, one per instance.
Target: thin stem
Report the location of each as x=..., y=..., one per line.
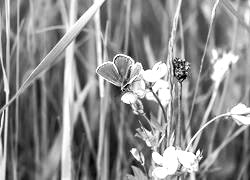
x=178, y=128
x=204, y=126
x=145, y=169
x=143, y=115
x=159, y=102
x=15, y=173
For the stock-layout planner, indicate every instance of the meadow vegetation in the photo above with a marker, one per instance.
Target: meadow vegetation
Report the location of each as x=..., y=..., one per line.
x=180, y=109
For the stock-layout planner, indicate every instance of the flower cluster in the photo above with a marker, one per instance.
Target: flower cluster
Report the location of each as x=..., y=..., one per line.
x=221, y=61
x=181, y=69
x=148, y=84
x=173, y=159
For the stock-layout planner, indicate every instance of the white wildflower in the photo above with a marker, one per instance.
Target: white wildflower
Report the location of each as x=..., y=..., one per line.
x=162, y=90
x=168, y=163
x=221, y=65
x=157, y=72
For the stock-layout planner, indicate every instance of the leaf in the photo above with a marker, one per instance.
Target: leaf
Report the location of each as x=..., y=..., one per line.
x=51, y=57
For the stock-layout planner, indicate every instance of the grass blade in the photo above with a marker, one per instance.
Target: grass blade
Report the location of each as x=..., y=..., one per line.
x=51, y=57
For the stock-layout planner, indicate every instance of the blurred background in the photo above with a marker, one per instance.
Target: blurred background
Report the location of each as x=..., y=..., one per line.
x=61, y=124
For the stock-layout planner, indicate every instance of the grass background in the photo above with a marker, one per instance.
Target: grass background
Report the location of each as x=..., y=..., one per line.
x=68, y=125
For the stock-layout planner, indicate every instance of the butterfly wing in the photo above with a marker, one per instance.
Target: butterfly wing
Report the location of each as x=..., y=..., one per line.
x=134, y=72
x=109, y=72
x=123, y=63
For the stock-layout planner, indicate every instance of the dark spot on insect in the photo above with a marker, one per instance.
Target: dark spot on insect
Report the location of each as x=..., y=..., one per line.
x=181, y=69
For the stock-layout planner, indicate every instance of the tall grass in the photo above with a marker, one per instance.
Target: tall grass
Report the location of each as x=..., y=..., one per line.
x=67, y=123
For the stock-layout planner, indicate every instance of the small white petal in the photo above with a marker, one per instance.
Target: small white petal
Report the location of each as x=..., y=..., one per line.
x=240, y=113
x=150, y=75
x=170, y=160
x=157, y=158
x=150, y=96
x=160, y=84
x=160, y=172
x=161, y=69
x=129, y=98
x=188, y=160
x=241, y=120
x=215, y=54
x=240, y=109
x=169, y=151
x=232, y=58
x=164, y=96
x=221, y=66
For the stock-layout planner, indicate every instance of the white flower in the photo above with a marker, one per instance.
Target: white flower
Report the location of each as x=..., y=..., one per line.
x=162, y=90
x=221, y=64
x=189, y=160
x=241, y=114
x=157, y=72
x=168, y=163
x=129, y=98
x=138, y=155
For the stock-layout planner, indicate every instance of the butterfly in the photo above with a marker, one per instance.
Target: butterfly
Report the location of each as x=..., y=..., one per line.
x=121, y=72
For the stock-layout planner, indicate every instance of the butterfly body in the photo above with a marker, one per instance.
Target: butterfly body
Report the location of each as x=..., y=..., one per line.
x=121, y=72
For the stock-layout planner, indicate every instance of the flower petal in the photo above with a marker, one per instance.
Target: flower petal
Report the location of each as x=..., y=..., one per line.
x=241, y=120
x=129, y=98
x=170, y=160
x=164, y=96
x=157, y=158
x=160, y=172
x=161, y=69
x=222, y=64
x=150, y=75
x=150, y=96
x=160, y=84
x=170, y=151
x=188, y=160
x=240, y=109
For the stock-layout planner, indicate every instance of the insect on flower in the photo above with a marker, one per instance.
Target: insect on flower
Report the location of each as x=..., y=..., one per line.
x=181, y=69
x=121, y=72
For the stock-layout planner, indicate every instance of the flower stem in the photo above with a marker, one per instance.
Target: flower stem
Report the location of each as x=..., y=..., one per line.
x=178, y=126
x=143, y=115
x=203, y=127
x=159, y=102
